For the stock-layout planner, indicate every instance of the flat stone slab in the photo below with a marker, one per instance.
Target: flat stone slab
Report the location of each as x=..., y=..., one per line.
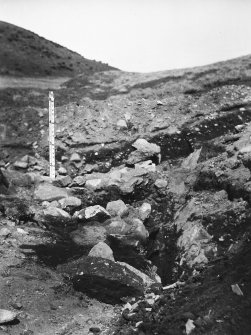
x=49, y=192
x=104, y=279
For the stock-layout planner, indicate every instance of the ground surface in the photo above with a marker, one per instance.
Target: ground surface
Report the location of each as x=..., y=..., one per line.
x=181, y=111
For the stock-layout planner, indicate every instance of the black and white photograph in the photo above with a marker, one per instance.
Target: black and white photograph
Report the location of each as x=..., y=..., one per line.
x=125, y=167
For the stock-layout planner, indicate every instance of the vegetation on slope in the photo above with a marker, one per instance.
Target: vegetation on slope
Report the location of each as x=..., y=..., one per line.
x=24, y=53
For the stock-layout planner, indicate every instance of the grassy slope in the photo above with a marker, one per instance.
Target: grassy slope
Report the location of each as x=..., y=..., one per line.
x=24, y=53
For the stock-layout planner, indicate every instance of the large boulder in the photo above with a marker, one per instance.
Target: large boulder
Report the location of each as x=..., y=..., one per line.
x=103, y=279
x=49, y=192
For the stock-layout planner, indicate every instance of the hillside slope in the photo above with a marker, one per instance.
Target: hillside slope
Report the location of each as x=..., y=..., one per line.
x=24, y=53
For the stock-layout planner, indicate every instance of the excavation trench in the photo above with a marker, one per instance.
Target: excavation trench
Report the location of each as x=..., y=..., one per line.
x=161, y=247
x=173, y=147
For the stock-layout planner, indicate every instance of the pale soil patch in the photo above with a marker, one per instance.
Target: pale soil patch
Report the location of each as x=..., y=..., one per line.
x=28, y=82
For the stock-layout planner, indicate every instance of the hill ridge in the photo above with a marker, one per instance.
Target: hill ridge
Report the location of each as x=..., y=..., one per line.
x=25, y=53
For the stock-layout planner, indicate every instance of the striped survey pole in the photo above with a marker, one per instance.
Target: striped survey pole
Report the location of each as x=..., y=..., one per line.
x=52, y=136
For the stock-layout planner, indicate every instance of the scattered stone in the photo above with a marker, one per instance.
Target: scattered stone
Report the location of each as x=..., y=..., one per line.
x=161, y=183
x=62, y=181
x=5, y=232
x=145, y=150
x=62, y=171
x=117, y=208
x=146, y=279
x=75, y=157
x=236, y=289
x=21, y=165
x=159, y=103
x=7, y=316
x=90, y=168
x=94, y=184
x=64, y=159
x=192, y=160
x=79, y=181
x=239, y=127
x=71, y=202
x=149, y=166
x=22, y=231
x=46, y=204
x=96, y=212
x=131, y=231
x=89, y=235
x=56, y=213
x=102, y=250
x=246, y=149
x=144, y=211
x=17, y=305
x=189, y=326
x=121, y=124
x=49, y=192
x=144, y=146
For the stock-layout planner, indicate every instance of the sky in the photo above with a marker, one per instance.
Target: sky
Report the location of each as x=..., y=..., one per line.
x=140, y=35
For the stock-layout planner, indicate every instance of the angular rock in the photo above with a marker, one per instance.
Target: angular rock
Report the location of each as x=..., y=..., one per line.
x=245, y=149
x=94, y=184
x=56, y=213
x=62, y=181
x=79, y=180
x=75, y=157
x=144, y=146
x=94, y=213
x=5, y=232
x=49, y=192
x=104, y=279
x=62, y=171
x=89, y=235
x=102, y=250
x=144, y=211
x=90, y=168
x=117, y=208
x=7, y=316
x=148, y=166
x=121, y=124
x=192, y=160
x=131, y=231
x=54, y=203
x=146, y=279
x=161, y=183
x=71, y=202
x=145, y=150
x=21, y=165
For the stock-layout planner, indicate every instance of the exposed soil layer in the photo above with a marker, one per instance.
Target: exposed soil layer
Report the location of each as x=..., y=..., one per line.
x=201, y=200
